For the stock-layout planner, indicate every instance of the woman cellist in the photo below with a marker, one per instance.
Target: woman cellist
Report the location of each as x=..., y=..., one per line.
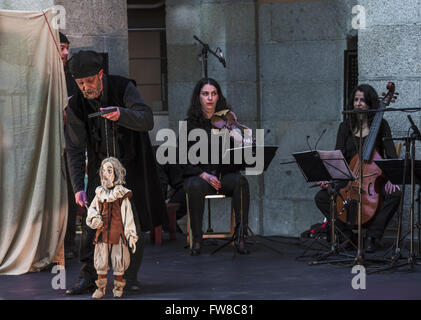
x=364, y=97
x=202, y=179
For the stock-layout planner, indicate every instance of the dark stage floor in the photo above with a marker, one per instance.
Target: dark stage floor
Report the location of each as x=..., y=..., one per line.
x=169, y=272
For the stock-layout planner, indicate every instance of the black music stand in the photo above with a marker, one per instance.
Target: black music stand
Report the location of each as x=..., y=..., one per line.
x=396, y=172
x=326, y=166
x=232, y=163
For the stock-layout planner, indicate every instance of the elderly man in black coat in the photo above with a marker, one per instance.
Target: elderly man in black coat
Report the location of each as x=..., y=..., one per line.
x=122, y=133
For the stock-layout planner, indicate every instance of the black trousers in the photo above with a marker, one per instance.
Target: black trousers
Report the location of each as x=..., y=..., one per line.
x=233, y=184
x=377, y=225
x=87, y=249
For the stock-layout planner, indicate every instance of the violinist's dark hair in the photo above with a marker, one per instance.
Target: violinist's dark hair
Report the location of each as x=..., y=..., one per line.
x=371, y=99
x=195, y=110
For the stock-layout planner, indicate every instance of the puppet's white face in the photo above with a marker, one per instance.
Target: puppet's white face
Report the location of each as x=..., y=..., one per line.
x=107, y=175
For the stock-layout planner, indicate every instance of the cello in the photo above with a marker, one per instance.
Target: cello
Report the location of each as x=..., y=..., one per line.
x=373, y=180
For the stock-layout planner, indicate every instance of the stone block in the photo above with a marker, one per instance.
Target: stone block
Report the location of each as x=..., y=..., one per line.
x=182, y=23
x=79, y=42
x=241, y=95
x=26, y=5
x=307, y=21
x=241, y=62
x=389, y=51
x=118, y=58
x=318, y=100
x=179, y=95
x=227, y=22
x=288, y=217
x=398, y=12
x=303, y=61
x=265, y=22
x=183, y=63
x=82, y=17
x=278, y=217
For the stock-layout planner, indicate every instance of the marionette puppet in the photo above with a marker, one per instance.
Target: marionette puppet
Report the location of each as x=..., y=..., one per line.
x=110, y=213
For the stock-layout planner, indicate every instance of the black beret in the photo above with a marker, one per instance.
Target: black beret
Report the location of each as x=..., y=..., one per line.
x=85, y=64
x=63, y=38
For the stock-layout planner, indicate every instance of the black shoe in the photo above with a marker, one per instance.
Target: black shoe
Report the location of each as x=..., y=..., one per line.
x=81, y=287
x=195, y=251
x=241, y=248
x=132, y=285
x=369, y=244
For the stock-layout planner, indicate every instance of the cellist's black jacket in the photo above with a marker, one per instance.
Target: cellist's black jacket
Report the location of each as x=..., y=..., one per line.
x=348, y=143
x=127, y=139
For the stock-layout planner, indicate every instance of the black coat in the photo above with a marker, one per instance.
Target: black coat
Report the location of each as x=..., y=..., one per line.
x=132, y=147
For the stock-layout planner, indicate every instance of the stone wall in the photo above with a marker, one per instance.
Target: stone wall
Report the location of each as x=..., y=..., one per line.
x=301, y=60
x=101, y=26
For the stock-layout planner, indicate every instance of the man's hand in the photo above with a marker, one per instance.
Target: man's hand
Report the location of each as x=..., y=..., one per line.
x=212, y=180
x=81, y=198
x=113, y=116
x=132, y=244
x=390, y=187
x=323, y=184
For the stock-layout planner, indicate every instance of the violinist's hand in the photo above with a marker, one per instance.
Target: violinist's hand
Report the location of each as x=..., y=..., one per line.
x=323, y=184
x=212, y=180
x=390, y=187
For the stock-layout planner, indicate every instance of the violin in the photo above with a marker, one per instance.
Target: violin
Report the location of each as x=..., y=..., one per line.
x=226, y=119
x=373, y=180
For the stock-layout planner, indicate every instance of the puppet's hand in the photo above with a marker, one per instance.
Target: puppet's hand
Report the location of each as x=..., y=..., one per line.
x=132, y=244
x=96, y=222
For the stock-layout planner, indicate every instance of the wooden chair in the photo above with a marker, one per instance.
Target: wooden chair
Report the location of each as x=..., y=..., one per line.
x=210, y=234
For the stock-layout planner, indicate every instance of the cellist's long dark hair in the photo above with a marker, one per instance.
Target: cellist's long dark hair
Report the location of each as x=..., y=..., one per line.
x=371, y=99
x=195, y=110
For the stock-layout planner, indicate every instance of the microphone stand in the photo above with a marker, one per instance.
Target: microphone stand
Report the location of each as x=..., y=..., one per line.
x=204, y=55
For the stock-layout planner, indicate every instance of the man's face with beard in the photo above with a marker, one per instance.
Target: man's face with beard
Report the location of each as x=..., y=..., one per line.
x=108, y=176
x=91, y=87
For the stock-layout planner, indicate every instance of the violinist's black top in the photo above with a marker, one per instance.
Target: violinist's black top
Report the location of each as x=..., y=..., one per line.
x=203, y=166
x=349, y=148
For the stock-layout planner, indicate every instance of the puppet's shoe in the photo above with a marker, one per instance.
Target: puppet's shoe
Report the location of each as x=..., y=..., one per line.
x=118, y=288
x=100, y=291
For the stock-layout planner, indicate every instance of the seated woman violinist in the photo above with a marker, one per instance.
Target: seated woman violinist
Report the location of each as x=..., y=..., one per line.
x=364, y=97
x=202, y=179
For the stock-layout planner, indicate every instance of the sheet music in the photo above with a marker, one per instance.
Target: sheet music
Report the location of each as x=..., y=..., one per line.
x=336, y=165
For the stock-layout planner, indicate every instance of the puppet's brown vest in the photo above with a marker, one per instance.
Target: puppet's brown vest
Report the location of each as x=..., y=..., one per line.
x=112, y=227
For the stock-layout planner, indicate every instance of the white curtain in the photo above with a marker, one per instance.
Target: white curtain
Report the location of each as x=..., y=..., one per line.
x=33, y=198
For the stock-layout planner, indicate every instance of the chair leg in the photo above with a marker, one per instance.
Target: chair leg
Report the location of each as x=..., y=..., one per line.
x=172, y=222
x=189, y=231
x=158, y=235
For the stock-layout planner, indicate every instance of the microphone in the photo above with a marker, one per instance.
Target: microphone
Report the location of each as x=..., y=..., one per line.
x=308, y=144
x=321, y=135
x=221, y=58
x=414, y=127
